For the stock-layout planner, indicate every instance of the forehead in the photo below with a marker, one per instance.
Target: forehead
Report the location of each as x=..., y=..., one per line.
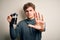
x=29, y=8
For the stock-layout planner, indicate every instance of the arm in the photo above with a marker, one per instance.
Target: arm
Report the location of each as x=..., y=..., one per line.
x=14, y=32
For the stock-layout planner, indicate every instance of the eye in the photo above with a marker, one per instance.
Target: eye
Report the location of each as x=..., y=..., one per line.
x=26, y=11
x=30, y=10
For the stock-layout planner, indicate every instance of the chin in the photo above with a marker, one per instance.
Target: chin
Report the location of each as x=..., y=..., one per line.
x=29, y=17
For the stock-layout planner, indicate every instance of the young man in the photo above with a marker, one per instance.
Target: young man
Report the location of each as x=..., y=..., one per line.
x=30, y=28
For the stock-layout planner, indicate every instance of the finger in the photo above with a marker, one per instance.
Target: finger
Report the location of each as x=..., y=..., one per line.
x=42, y=17
x=38, y=16
x=35, y=16
x=9, y=18
x=30, y=25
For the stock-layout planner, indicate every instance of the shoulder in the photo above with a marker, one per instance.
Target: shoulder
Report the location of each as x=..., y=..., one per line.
x=21, y=22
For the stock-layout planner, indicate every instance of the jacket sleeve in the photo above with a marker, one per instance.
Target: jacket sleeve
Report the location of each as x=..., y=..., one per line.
x=14, y=32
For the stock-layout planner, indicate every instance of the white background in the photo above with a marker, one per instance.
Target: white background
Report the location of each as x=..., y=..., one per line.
x=49, y=8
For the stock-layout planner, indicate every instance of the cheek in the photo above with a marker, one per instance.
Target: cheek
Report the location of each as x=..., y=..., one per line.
x=32, y=13
x=26, y=14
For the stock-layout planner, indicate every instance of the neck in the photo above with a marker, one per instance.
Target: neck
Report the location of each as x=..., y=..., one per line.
x=31, y=18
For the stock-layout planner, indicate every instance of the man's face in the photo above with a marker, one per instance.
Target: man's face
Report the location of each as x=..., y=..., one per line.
x=30, y=12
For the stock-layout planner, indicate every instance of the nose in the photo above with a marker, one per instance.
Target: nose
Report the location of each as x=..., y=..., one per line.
x=29, y=12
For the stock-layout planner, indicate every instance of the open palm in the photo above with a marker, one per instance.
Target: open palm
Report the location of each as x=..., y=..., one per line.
x=39, y=22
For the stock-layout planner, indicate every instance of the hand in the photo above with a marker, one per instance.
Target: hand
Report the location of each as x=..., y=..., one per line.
x=9, y=18
x=39, y=22
x=39, y=19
